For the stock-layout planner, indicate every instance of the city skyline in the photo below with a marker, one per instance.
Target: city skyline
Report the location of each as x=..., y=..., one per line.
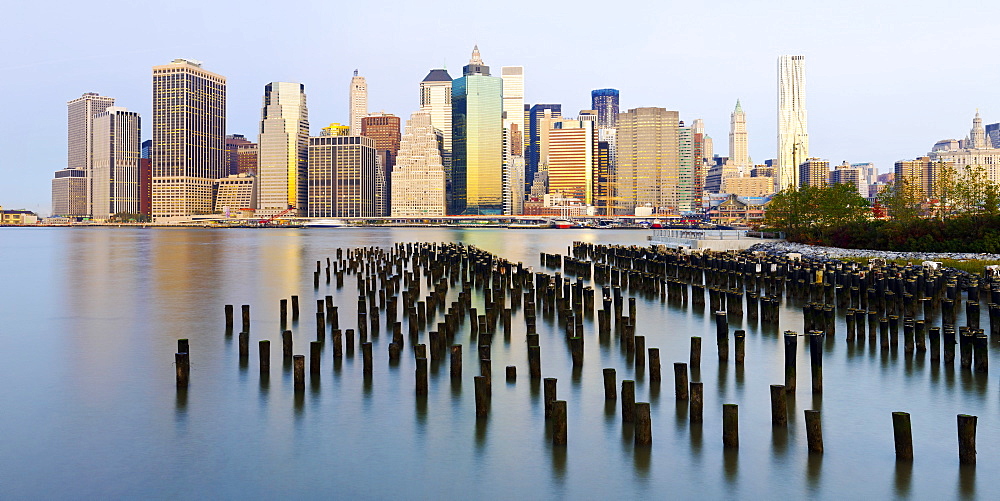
x=858, y=105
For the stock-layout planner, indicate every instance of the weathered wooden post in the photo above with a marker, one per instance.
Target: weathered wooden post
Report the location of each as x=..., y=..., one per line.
x=654, y=364
x=902, y=434
x=244, y=345
x=182, y=361
x=482, y=400
x=229, y=318
x=967, y=439
x=315, y=351
x=816, y=360
x=628, y=401
x=548, y=394
x=779, y=406
x=696, y=409
x=559, y=422
x=814, y=431
x=246, y=317
x=730, y=426
x=643, y=425
x=456, y=361
x=299, y=372
x=934, y=333
x=421, y=378
x=980, y=343
x=741, y=337
x=791, y=341
x=610, y=384
x=722, y=335
x=695, y=352
x=264, y=353
x=286, y=344
x=366, y=358
x=535, y=361
x=183, y=346
x=295, y=307
x=680, y=381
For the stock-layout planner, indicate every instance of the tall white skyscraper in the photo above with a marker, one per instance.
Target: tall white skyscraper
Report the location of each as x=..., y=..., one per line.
x=115, y=166
x=80, y=114
x=418, y=176
x=513, y=97
x=359, y=102
x=739, y=155
x=283, y=150
x=793, y=135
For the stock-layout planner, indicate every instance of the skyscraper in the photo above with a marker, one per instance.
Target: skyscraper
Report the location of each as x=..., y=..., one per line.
x=283, y=151
x=513, y=100
x=605, y=101
x=233, y=144
x=344, y=178
x=80, y=120
x=359, y=102
x=814, y=172
x=648, y=172
x=477, y=140
x=535, y=129
x=115, y=168
x=69, y=193
x=384, y=129
x=977, y=136
x=738, y=152
x=793, y=135
x=435, y=99
x=418, y=176
x=189, y=137
x=572, y=158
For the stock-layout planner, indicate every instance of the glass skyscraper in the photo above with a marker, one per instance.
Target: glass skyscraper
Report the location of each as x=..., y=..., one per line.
x=477, y=140
x=605, y=101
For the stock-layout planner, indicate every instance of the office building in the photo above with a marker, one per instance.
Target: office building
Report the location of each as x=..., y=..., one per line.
x=344, y=178
x=80, y=113
x=572, y=156
x=605, y=102
x=69, y=193
x=358, y=102
x=648, y=171
x=115, y=165
x=283, y=149
x=335, y=129
x=920, y=174
x=418, y=184
x=814, y=172
x=384, y=129
x=851, y=174
x=235, y=193
x=513, y=102
x=189, y=138
x=477, y=140
x=241, y=154
x=974, y=152
x=793, y=136
x=993, y=135
x=738, y=149
x=540, y=117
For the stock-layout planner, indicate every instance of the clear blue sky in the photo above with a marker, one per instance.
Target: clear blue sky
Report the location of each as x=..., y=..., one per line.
x=886, y=79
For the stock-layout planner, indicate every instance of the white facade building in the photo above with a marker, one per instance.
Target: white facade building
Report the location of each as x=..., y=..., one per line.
x=80, y=114
x=418, y=184
x=359, y=102
x=283, y=150
x=793, y=135
x=115, y=165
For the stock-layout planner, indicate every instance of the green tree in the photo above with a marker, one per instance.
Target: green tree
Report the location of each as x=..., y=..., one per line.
x=902, y=201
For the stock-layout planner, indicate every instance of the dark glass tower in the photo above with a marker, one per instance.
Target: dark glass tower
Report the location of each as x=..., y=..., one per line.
x=605, y=101
x=535, y=114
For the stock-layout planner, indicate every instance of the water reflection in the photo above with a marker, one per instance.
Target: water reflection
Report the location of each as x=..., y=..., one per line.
x=903, y=478
x=814, y=469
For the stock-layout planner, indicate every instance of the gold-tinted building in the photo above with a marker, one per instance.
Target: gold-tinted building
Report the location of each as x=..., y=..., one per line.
x=283, y=150
x=571, y=159
x=648, y=160
x=189, y=138
x=477, y=140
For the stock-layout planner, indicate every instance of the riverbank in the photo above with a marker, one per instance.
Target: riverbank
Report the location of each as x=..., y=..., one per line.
x=967, y=261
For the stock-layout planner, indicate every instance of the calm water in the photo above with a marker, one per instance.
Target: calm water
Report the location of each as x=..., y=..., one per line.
x=89, y=320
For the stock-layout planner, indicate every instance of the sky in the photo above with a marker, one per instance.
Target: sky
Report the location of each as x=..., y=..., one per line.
x=886, y=79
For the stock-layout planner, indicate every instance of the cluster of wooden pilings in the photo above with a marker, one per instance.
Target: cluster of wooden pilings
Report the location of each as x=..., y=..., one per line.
x=412, y=282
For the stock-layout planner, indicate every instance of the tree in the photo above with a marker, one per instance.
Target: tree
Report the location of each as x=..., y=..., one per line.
x=901, y=201
x=796, y=210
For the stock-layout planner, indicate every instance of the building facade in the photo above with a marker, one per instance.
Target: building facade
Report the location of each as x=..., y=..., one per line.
x=69, y=193
x=115, y=166
x=793, y=135
x=358, y=102
x=814, y=172
x=189, y=134
x=739, y=154
x=513, y=102
x=477, y=140
x=648, y=170
x=238, y=154
x=283, y=151
x=605, y=103
x=418, y=183
x=80, y=113
x=920, y=174
x=235, y=193
x=572, y=157
x=851, y=174
x=540, y=117
x=344, y=178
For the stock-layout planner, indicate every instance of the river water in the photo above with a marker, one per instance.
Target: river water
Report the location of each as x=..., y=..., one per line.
x=89, y=320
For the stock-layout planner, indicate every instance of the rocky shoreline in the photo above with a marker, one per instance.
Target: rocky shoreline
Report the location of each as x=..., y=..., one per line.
x=815, y=251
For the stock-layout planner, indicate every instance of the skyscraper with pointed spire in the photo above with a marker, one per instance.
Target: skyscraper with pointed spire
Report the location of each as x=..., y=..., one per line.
x=359, y=102
x=793, y=135
x=977, y=136
x=738, y=154
x=477, y=140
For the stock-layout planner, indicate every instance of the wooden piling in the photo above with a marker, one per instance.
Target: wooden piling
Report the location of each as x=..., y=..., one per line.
x=967, y=439
x=902, y=434
x=559, y=422
x=286, y=344
x=315, y=351
x=779, y=406
x=695, y=360
x=697, y=405
x=740, y=337
x=548, y=395
x=640, y=352
x=610, y=384
x=730, y=426
x=643, y=425
x=482, y=400
x=366, y=358
x=295, y=307
x=791, y=341
x=680, y=381
x=299, y=372
x=182, y=361
x=816, y=360
x=229, y=318
x=534, y=362
x=456, y=361
x=654, y=364
x=421, y=378
x=814, y=431
x=264, y=354
x=628, y=401
x=183, y=346
x=244, y=345
x=722, y=335
x=246, y=317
